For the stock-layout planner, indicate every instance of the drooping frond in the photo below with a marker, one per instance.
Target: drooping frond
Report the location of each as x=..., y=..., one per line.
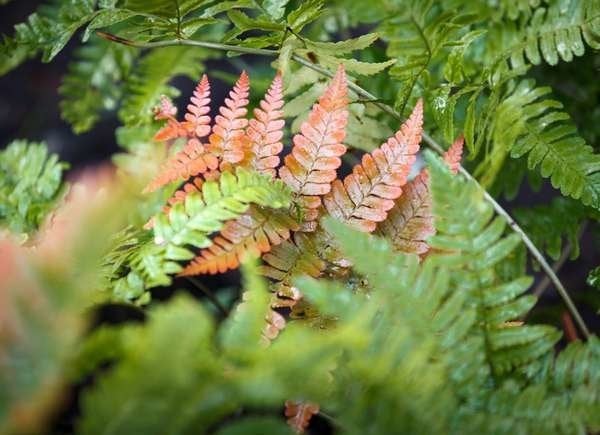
x=315, y=157
x=252, y=234
x=299, y=414
x=473, y=243
x=197, y=118
x=191, y=222
x=366, y=195
x=265, y=130
x=227, y=139
x=453, y=155
x=192, y=160
x=410, y=222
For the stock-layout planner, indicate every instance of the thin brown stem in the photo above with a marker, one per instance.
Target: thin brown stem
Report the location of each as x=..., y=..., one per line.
x=210, y=296
x=429, y=141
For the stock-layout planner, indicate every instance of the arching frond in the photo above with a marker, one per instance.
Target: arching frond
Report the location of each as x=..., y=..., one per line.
x=366, y=195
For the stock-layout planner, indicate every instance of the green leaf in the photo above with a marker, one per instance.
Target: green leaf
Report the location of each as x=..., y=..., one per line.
x=256, y=426
x=344, y=47
x=30, y=185
x=48, y=30
x=92, y=83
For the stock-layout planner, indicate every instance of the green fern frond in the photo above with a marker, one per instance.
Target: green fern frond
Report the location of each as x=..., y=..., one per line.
x=151, y=80
x=548, y=225
x=552, y=145
x=47, y=30
x=30, y=185
x=472, y=243
x=558, y=32
x=191, y=222
x=93, y=82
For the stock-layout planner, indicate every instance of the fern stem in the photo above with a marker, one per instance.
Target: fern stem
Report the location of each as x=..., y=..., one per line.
x=429, y=141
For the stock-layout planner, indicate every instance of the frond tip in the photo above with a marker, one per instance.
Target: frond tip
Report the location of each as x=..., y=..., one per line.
x=265, y=130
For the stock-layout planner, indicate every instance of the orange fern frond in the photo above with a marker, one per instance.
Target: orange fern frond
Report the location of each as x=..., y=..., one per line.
x=253, y=233
x=190, y=161
x=167, y=111
x=368, y=193
x=315, y=157
x=298, y=255
x=299, y=414
x=228, y=139
x=410, y=222
x=265, y=130
x=454, y=154
x=197, y=120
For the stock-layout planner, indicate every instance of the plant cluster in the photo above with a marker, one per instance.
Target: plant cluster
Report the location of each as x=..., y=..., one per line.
x=384, y=288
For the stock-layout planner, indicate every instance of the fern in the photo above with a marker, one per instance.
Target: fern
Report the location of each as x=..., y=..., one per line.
x=150, y=81
x=474, y=245
x=200, y=215
x=30, y=185
x=93, y=83
x=310, y=168
x=555, y=33
x=47, y=30
x=366, y=195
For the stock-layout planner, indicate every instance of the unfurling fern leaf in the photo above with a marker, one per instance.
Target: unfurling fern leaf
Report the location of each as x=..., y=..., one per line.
x=311, y=167
x=227, y=139
x=265, y=130
x=366, y=195
x=251, y=234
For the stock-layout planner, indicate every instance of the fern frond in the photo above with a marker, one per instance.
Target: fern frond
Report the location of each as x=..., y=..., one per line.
x=315, y=157
x=47, y=30
x=92, y=83
x=30, y=185
x=410, y=222
x=473, y=244
x=554, y=33
x=550, y=141
x=145, y=87
x=453, y=155
x=227, y=139
x=252, y=234
x=197, y=118
x=191, y=161
x=191, y=222
x=265, y=130
x=366, y=195
x=294, y=257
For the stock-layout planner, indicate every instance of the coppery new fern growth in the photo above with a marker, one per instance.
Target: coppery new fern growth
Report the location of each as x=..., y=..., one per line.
x=375, y=196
